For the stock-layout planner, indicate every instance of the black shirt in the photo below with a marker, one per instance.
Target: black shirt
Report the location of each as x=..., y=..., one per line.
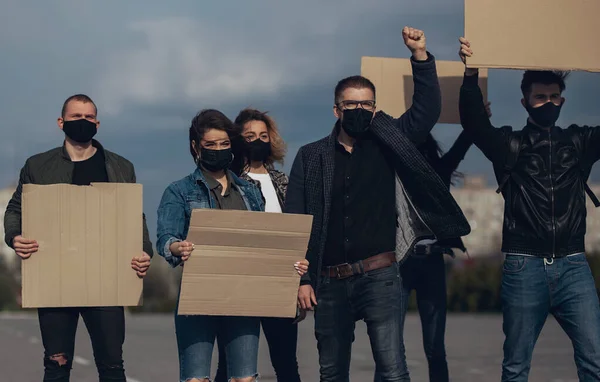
x=362, y=221
x=231, y=200
x=90, y=170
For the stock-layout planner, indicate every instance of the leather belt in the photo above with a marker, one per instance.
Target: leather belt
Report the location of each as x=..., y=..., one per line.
x=342, y=271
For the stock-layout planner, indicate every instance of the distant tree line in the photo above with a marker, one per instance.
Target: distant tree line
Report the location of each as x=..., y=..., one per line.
x=473, y=285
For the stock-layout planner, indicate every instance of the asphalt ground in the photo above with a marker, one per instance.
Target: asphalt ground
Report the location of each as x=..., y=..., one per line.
x=473, y=345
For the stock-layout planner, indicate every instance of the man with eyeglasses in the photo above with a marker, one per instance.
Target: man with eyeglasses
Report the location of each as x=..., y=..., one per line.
x=372, y=197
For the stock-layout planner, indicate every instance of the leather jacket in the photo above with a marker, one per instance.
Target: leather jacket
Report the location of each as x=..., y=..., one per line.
x=544, y=196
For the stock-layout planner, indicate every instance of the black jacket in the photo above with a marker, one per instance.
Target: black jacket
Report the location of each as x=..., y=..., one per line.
x=445, y=168
x=430, y=203
x=55, y=166
x=544, y=197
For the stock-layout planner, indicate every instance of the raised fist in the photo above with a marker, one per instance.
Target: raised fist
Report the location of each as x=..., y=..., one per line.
x=415, y=42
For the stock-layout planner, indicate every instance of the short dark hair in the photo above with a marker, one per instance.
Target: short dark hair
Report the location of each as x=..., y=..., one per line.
x=77, y=97
x=545, y=77
x=211, y=119
x=356, y=82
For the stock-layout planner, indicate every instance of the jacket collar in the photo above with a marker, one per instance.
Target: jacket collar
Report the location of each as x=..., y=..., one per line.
x=198, y=176
x=65, y=154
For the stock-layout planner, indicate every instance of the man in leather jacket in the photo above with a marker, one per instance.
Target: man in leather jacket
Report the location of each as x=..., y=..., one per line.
x=542, y=173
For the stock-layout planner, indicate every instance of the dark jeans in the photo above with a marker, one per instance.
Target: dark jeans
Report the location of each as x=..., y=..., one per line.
x=532, y=287
x=106, y=327
x=374, y=297
x=282, y=337
x=427, y=276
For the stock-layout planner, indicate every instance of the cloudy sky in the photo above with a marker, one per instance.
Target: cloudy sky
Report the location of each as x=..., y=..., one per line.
x=150, y=66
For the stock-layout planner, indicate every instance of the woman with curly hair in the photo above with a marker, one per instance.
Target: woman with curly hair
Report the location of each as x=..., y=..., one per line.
x=256, y=155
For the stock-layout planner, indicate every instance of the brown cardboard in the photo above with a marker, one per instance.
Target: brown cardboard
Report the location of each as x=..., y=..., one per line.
x=393, y=82
x=533, y=34
x=243, y=263
x=87, y=237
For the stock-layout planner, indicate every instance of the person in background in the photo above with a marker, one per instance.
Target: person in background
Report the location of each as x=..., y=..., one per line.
x=259, y=149
x=80, y=161
x=424, y=270
x=211, y=185
x=542, y=172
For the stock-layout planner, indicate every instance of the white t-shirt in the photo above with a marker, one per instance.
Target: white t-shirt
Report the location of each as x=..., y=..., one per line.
x=268, y=191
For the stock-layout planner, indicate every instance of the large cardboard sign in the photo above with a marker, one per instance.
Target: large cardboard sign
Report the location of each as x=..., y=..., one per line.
x=533, y=34
x=393, y=81
x=243, y=263
x=87, y=237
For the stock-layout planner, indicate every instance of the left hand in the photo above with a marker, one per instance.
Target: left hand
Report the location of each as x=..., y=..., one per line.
x=301, y=267
x=141, y=264
x=415, y=42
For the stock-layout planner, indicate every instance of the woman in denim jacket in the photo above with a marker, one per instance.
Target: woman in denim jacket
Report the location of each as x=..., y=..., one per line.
x=261, y=148
x=211, y=185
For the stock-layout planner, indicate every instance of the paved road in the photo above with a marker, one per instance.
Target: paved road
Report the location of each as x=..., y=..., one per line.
x=474, y=347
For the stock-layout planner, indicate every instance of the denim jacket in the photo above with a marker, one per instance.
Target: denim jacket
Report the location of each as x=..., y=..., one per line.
x=181, y=197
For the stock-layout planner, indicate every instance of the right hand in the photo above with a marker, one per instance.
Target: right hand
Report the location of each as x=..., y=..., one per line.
x=464, y=52
x=306, y=297
x=182, y=249
x=24, y=247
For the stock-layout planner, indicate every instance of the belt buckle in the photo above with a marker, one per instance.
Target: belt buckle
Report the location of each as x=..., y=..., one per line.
x=338, y=275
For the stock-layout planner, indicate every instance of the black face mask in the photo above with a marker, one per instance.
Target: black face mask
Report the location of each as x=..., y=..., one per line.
x=215, y=160
x=356, y=122
x=545, y=115
x=258, y=150
x=80, y=130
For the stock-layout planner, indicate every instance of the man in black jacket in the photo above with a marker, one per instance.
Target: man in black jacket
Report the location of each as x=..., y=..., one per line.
x=80, y=161
x=542, y=173
x=372, y=197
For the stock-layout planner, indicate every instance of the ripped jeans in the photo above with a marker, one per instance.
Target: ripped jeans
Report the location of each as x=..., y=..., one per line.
x=106, y=327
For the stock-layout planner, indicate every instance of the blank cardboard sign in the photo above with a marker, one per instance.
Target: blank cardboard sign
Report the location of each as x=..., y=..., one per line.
x=87, y=237
x=243, y=263
x=533, y=34
x=393, y=81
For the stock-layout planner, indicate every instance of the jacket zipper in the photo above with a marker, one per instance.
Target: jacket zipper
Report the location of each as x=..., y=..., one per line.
x=552, y=197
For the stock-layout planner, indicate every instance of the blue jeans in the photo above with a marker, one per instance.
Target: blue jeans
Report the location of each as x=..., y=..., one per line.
x=195, y=341
x=427, y=276
x=532, y=287
x=282, y=338
x=374, y=297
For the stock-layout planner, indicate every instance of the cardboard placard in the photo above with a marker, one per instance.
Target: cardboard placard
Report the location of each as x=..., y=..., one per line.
x=243, y=263
x=393, y=80
x=87, y=236
x=533, y=34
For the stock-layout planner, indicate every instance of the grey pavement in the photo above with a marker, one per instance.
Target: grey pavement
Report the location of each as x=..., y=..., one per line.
x=473, y=343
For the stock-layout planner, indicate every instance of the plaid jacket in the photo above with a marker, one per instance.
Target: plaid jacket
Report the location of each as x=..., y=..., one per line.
x=424, y=205
x=279, y=179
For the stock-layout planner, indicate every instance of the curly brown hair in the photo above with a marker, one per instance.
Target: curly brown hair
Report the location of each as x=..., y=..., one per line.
x=278, y=146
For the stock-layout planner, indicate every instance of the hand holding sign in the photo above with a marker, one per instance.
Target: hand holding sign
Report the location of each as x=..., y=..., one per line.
x=464, y=52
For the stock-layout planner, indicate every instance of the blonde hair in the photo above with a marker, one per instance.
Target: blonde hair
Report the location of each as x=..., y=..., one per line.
x=278, y=145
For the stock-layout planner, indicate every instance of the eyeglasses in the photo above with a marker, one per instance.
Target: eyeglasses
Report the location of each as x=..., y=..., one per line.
x=351, y=105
